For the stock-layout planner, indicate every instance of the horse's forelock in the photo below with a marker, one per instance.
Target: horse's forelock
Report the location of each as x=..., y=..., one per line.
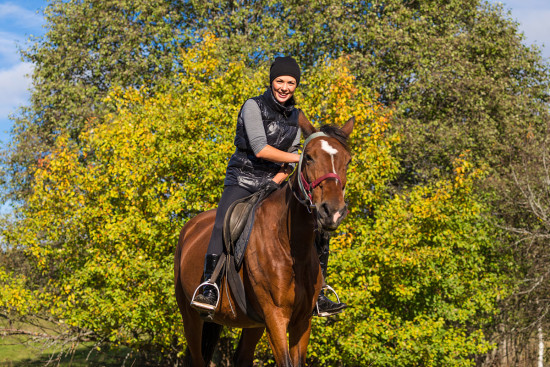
x=335, y=132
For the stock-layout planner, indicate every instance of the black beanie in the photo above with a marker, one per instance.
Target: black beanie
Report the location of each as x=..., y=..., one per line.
x=284, y=66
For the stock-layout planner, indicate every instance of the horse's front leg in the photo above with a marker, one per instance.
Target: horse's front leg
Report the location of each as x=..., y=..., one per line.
x=244, y=356
x=276, y=335
x=192, y=327
x=299, y=334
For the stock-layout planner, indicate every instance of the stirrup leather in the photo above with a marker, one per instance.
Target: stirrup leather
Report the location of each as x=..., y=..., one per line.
x=206, y=306
x=324, y=314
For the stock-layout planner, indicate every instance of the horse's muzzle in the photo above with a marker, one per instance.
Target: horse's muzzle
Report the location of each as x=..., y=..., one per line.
x=329, y=217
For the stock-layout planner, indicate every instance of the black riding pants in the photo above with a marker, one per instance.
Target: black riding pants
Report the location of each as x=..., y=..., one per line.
x=229, y=196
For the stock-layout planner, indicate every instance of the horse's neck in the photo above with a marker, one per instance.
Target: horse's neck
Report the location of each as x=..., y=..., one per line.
x=300, y=219
x=295, y=221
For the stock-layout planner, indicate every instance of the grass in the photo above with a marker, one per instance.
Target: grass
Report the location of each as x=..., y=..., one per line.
x=22, y=350
x=35, y=354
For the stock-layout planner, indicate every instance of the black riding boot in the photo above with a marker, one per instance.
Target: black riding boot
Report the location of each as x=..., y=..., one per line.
x=325, y=307
x=209, y=298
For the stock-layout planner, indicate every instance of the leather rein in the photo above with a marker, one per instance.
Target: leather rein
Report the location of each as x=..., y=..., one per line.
x=306, y=188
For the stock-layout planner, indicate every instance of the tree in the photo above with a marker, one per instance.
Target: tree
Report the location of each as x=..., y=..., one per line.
x=525, y=204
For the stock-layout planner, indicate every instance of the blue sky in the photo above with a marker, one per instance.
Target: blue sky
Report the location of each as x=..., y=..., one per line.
x=19, y=20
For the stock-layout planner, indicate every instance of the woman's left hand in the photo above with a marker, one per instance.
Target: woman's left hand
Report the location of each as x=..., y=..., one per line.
x=283, y=173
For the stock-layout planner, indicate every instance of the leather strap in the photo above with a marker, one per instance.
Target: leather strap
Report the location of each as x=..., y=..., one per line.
x=237, y=286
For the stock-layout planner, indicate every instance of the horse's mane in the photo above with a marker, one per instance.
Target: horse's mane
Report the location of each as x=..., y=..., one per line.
x=335, y=132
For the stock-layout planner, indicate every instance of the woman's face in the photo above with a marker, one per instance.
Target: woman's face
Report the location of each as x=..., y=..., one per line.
x=283, y=88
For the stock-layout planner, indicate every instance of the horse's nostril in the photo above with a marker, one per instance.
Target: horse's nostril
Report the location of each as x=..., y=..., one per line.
x=325, y=209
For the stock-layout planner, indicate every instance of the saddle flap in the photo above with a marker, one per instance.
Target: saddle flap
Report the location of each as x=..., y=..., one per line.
x=236, y=218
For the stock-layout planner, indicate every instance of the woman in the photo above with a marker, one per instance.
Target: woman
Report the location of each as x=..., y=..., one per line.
x=267, y=141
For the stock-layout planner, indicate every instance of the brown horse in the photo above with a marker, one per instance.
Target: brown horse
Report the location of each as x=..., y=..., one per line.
x=281, y=273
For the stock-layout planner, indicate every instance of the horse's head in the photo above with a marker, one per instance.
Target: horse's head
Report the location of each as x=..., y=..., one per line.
x=322, y=170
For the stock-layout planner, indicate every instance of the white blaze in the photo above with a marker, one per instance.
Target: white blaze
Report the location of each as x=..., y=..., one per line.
x=330, y=150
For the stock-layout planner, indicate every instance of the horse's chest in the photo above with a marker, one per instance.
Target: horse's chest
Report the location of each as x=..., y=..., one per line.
x=288, y=287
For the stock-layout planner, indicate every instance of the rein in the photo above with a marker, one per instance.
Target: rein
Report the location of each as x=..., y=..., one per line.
x=306, y=188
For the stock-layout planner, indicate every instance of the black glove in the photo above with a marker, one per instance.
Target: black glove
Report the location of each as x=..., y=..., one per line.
x=269, y=187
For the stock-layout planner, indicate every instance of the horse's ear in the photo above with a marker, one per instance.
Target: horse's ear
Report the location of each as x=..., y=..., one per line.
x=348, y=126
x=306, y=126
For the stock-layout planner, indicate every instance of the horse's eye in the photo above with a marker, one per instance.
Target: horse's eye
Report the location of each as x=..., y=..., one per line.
x=308, y=159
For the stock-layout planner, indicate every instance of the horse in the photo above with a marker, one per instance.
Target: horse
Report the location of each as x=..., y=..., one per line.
x=280, y=272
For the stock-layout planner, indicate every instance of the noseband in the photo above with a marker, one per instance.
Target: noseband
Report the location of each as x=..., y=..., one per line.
x=306, y=188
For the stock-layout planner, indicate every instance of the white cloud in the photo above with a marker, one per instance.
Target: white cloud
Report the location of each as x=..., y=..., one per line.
x=9, y=54
x=20, y=16
x=14, y=87
x=17, y=24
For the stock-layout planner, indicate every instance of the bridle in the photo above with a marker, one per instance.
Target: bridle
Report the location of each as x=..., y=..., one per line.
x=306, y=188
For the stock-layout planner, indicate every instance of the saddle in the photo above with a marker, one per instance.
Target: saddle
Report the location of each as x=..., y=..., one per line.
x=237, y=227
x=239, y=220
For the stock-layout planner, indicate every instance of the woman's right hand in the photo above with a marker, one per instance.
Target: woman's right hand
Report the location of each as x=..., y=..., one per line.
x=278, y=156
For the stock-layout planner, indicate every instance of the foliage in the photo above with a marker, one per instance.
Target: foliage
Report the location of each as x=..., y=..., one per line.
x=525, y=201
x=421, y=279
x=104, y=216
x=455, y=73
x=101, y=191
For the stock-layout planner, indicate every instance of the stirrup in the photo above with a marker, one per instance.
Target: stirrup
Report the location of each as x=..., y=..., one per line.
x=325, y=314
x=206, y=306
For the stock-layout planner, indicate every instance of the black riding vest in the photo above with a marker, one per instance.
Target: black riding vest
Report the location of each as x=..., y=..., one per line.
x=281, y=126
